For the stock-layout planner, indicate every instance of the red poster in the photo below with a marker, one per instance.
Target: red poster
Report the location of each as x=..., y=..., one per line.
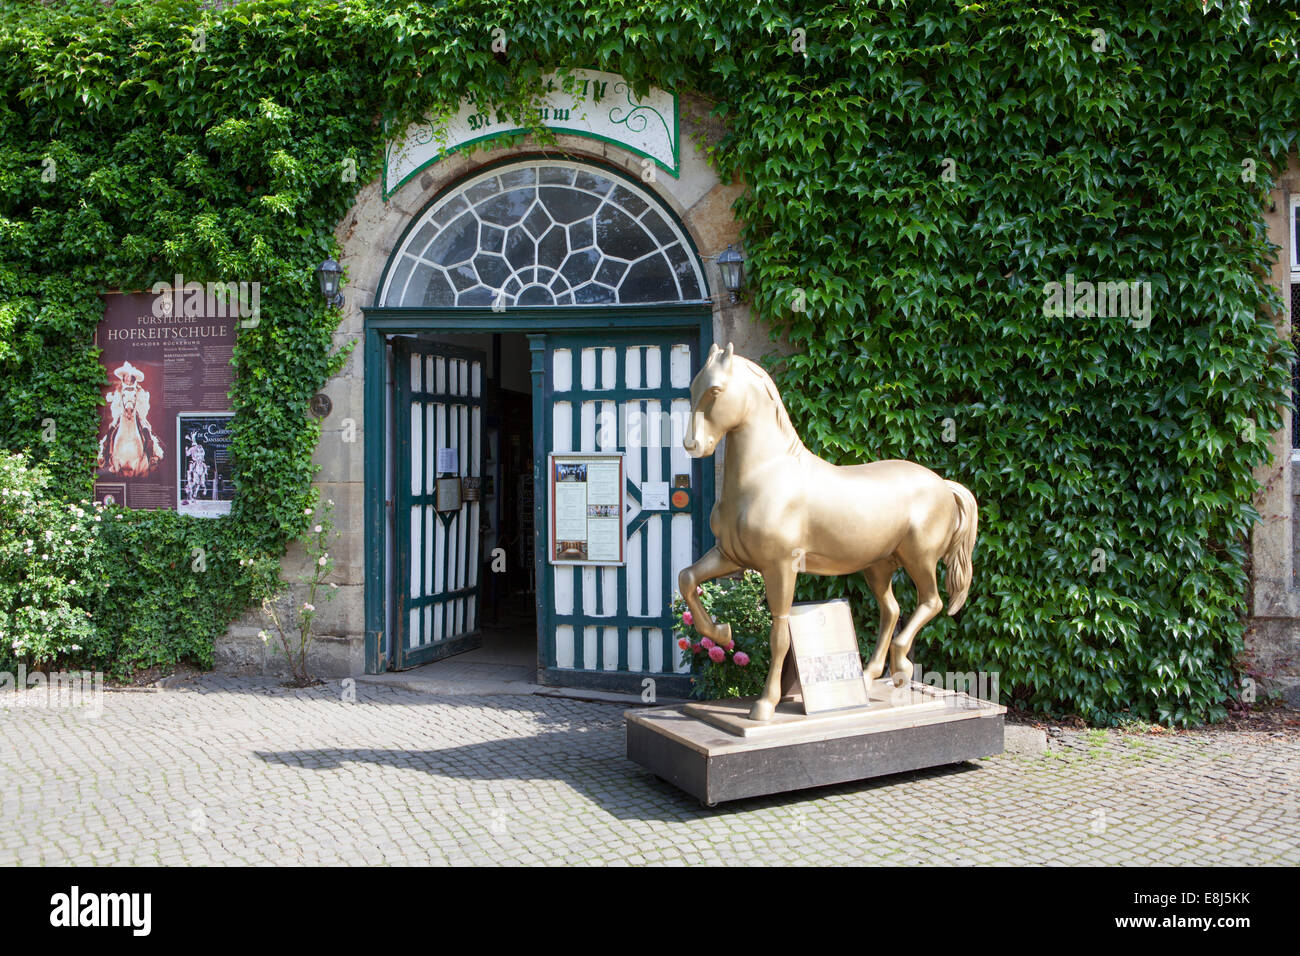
x=166, y=359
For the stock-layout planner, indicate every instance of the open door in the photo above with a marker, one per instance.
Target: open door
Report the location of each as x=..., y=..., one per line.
x=610, y=625
x=439, y=445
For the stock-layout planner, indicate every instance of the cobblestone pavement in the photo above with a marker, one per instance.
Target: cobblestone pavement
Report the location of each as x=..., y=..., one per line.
x=243, y=771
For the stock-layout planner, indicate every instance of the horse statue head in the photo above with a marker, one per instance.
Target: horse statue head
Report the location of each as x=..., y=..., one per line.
x=731, y=391
x=715, y=409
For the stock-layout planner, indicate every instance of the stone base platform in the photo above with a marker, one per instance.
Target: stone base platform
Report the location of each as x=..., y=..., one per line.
x=713, y=751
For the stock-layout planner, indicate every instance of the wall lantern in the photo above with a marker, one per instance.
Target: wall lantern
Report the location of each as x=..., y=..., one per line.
x=732, y=264
x=328, y=275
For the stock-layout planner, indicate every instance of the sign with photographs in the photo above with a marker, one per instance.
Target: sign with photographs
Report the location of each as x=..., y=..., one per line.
x=205, y=483
x=165, y=355
x=586, y=494
x=826, y=656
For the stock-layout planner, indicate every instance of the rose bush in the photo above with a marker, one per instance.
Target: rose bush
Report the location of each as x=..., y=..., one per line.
x=739, y=670
x=50, y=577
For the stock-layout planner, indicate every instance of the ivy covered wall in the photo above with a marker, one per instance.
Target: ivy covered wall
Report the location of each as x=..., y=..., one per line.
x=919, y=174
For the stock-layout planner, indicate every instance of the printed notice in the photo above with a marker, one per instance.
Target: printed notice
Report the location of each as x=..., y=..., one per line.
x=570, y=501
x=603, y=479
x=604, y=533
x=826, y=656
x=654, y=495
x=586, y=509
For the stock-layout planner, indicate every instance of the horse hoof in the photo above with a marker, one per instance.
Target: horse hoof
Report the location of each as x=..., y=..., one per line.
x=872, y=673
x=762, y=710
x=903, y=675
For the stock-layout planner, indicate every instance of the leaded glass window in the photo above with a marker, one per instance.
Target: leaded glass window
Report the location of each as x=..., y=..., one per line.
x=539, y=234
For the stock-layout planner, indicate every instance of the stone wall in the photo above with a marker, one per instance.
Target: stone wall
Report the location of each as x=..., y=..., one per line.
x=1273, y=637
x=368, y=235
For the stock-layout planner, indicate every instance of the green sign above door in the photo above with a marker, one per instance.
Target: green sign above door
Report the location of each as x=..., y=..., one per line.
x=582, y=102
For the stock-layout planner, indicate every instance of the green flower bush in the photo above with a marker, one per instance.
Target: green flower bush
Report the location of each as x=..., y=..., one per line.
x=50, y=570
x=740, y=670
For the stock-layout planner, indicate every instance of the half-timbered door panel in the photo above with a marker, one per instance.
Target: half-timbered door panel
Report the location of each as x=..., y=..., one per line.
x=438, y=429
x=628, y=393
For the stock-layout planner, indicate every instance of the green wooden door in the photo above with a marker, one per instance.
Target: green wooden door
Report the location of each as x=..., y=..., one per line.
x=610, y=626
x=438, y=420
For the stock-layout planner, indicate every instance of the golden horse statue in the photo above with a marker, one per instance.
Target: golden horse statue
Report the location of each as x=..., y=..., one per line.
x=783, y=510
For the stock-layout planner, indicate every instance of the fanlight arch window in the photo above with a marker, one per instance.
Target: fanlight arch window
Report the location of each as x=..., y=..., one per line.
x=543, y=233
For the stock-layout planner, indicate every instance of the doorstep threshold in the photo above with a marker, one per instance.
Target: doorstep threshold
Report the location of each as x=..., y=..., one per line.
x=484, y=684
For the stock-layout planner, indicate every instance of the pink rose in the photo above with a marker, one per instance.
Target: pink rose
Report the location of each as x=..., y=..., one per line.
x=717, y=654
x=741, y=658
x=695, y=648
x=707, y=644
x=687, y=619
x=684, y=644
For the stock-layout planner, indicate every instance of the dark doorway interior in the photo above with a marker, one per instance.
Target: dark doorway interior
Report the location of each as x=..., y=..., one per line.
x=507, y=600
x=508, y=612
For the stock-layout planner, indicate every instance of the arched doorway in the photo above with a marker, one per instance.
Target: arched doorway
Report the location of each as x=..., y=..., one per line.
x=528, y=359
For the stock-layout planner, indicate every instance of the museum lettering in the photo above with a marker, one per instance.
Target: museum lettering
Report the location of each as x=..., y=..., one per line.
x=168, y=332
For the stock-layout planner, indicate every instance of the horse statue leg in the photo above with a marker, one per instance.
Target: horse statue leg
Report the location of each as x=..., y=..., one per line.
x=928, y=604
x=779, y=582
x=713, y=564
x=880, y=578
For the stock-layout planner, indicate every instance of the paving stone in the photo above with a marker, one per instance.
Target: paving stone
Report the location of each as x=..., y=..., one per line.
x=227, y=770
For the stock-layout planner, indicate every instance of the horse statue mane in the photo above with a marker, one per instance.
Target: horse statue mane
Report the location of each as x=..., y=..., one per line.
x=769, y=387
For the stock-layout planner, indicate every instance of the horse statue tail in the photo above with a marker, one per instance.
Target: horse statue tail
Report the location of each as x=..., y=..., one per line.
x=960, y=546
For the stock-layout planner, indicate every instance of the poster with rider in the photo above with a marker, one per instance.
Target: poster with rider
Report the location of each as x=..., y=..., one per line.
x=205, y=482
x=164, y=355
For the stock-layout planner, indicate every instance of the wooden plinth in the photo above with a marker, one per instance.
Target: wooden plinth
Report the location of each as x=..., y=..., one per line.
x=713, y=751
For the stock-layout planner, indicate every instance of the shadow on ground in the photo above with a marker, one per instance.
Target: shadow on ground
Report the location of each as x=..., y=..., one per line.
x=569, y=757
